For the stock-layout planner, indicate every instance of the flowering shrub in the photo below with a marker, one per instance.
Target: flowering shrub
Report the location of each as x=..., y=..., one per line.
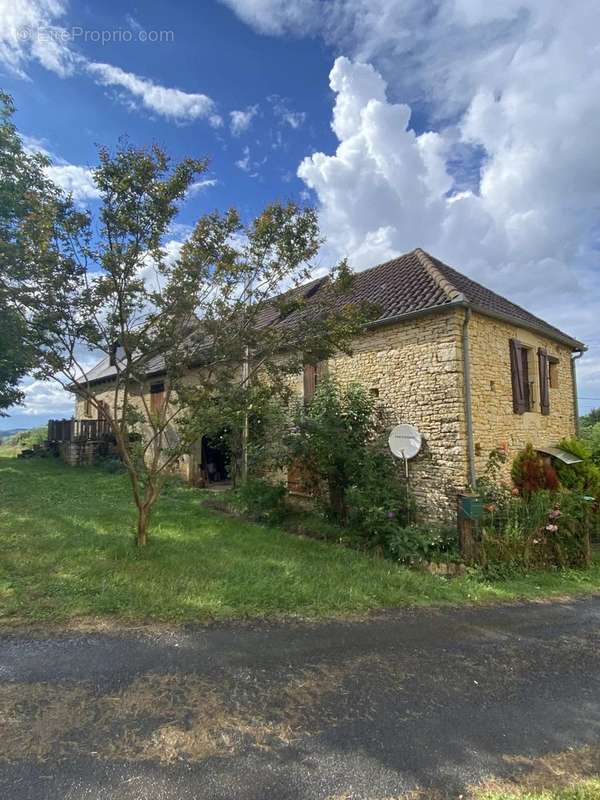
x=530, y=473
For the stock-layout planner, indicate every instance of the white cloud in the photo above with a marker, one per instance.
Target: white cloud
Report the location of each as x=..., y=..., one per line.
x=29, y=32
x=277, y=16
x=506, y=185
x=295, y=119
x=247, y=164
x=528, y=230
x=45, y=398
x=71, y=178
x=198, y=186
x=244, y=162
x=74, y=180
x=241, y=120
x=170, y=103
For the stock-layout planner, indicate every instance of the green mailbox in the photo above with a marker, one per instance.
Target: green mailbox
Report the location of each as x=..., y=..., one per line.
x=470, y=506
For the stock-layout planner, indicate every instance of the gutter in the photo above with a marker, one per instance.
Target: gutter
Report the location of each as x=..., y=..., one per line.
x=467, y=397
x=574, y=382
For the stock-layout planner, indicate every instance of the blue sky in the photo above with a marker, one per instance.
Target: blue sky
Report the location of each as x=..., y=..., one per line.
x=471, y=131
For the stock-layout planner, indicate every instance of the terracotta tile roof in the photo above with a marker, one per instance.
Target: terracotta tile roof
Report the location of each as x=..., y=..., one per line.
x=413, y=282
x=417, y=282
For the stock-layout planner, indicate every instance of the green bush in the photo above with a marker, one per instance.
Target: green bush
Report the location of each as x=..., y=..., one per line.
x=261, y=500
x=417, y=543
x=330, y=439
x=584, y=477
x=381, y=502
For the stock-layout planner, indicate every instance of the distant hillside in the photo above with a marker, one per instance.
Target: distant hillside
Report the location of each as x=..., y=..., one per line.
x=24, y=437
x=6, y=432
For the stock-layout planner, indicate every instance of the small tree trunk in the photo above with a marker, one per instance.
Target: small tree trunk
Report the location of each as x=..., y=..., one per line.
x=337, y=499
x=142, y=527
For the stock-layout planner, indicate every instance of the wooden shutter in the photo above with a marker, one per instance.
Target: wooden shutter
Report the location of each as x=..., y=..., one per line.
x=517, y=377
x=310, y=382
x=544, y=368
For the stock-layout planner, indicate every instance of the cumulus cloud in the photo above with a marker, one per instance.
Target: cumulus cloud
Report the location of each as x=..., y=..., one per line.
x=387, y=189
x=499, y=173
x=240, y=121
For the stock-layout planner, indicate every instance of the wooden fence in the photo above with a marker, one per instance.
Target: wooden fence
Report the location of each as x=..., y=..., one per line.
x=72, y=430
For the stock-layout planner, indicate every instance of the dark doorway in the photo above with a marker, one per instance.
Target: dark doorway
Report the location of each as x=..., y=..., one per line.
x=216, y=458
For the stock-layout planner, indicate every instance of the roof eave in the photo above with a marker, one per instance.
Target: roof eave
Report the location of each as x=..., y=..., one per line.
x=462, y=302
x=574, y=344
x=421, y=312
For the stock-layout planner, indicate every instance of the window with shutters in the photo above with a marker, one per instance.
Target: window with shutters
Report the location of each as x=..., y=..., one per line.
x=157, y=396
x=522, y=384
x=544, y=376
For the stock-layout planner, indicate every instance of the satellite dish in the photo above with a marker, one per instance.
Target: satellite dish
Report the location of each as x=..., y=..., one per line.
x=404, y=441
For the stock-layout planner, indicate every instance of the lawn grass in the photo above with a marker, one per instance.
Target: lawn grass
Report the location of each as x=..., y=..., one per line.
x=67, y=551
x=582, y=790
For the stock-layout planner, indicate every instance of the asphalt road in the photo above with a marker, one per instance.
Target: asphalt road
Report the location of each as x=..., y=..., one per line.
x=371, y=708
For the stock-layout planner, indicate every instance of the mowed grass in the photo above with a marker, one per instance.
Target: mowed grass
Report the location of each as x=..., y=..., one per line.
x=66, y=551
x=583, y=790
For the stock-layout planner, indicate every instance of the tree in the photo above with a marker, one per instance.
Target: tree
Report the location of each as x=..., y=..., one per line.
x=331, y=440
x=217, y=306
x=588, y=421
x=30, y=205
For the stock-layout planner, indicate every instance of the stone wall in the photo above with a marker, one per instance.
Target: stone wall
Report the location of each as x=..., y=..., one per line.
x=188, y=464
x=76, y=454
x=415, y=368
x=494, y=422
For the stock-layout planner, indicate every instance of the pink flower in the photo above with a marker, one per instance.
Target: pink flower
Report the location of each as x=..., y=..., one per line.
x=555, y=514
x=552, y=528
x=514, y=491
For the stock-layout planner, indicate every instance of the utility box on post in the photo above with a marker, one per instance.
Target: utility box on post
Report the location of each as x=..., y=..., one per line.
x=470, y=508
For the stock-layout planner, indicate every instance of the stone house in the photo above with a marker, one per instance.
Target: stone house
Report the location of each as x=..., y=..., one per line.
x=469, y=368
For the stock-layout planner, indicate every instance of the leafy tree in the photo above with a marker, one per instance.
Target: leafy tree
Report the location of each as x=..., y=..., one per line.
x=111, y=288
x=331, y=440
x=31, y=208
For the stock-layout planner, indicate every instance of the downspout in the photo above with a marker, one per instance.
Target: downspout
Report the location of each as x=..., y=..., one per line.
x=467, y=395
x=575, y=399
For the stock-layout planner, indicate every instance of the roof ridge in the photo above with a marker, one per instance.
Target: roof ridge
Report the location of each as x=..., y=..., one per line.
x=436, y=275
